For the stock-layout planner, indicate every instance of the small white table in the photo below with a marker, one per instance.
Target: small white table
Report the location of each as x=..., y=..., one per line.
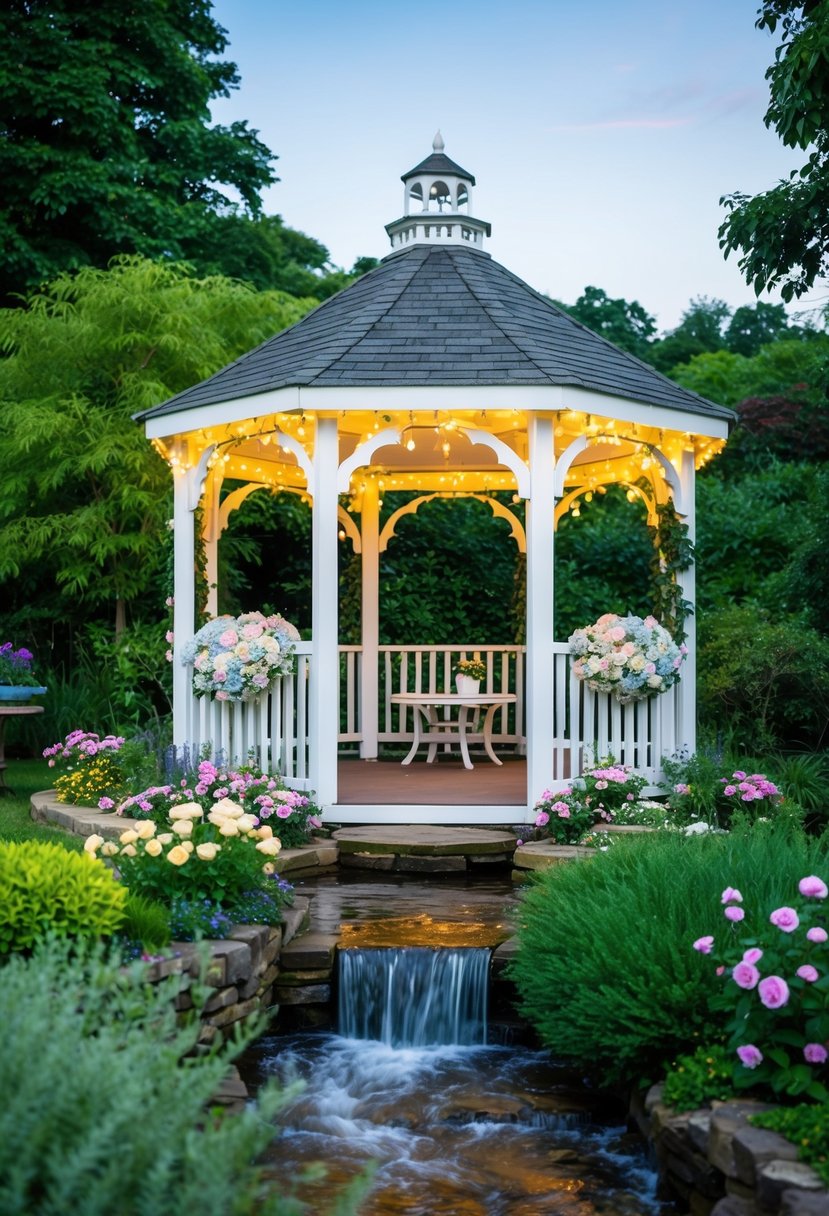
x=434, y=730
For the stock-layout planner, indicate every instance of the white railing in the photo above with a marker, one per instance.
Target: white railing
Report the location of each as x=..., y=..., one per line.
x=273, y=730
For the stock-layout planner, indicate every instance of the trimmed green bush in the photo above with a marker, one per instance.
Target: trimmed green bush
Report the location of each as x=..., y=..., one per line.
x=46, y=889
x=806, y=1126
x=101, y=1112
x=606, y=969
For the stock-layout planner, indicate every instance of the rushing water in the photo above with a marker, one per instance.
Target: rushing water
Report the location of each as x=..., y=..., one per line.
x=455, y=1127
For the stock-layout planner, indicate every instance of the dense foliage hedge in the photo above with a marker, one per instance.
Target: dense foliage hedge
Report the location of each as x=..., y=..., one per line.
x=606, y=971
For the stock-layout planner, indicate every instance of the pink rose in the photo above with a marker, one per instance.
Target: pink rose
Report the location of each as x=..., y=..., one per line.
x=704, y=944
x=785, y=919
x=729, y=790
x=815, y=1053
x=813, y=887
x=817, y=934
x=541, y=819
x=228, y=638
x=753, y=956
x=774, y=992
x=745, y=975
x=733, y=913
x=808, y=973
x=731, y=896
x=750, y=1056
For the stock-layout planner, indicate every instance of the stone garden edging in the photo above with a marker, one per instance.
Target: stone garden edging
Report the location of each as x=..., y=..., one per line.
x=718, y=1164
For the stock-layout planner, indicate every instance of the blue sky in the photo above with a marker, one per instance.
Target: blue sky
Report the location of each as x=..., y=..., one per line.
x=602, y=134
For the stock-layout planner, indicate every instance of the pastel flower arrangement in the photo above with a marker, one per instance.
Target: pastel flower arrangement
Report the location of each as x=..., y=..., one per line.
x=474, y=668
x=292, y=815
x=776, y=990
x=628, y=656
x=222, y=855
x=238, y=658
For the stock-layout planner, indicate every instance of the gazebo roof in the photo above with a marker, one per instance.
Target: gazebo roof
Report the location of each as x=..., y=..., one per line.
x=438, y=163
x=435, y=315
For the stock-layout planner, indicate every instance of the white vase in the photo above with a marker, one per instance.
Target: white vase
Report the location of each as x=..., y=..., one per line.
x=466, y=686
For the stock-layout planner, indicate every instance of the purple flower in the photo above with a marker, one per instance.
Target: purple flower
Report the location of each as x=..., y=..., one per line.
x=753, y=956
x=808, y=973
x=815, y=1053
x=541, y=819
x=733, y=913
x=813, y=887
x=785, y=919
x=105, y=804
x=704, y=944
x=774, y=992
x=731, y=896
x=729, y=790
x=817, y=934
x=750, y=1056
x=745, y=975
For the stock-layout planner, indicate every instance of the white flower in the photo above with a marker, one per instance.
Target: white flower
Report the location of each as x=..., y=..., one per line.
x=228, y=809
x=92, y=844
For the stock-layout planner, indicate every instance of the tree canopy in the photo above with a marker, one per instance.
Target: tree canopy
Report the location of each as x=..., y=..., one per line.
x=783, y=233
x=625, y=323
x=105, y=141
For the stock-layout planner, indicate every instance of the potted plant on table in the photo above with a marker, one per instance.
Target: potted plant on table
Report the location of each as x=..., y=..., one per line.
x=17, y=681
x=468, y=676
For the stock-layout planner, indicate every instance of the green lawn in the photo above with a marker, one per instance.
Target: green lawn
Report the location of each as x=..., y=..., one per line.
x=24, y=778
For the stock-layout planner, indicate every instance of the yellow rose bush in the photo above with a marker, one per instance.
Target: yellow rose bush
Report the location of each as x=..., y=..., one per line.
x=211, y=870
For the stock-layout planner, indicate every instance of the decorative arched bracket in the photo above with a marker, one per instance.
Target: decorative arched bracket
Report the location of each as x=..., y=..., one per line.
x=290, y=444
x=505, y=455
x=362, y=455
x=234, y=500
x=197, y=476
x=351, y=530
x=411, y=508
x=564, y=461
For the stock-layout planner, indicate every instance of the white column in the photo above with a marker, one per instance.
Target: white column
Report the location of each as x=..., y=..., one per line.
x=211, y=539
x=540, y=604
x=370, y=618
x=687, y=580
x=184, y=593
x=324, y=691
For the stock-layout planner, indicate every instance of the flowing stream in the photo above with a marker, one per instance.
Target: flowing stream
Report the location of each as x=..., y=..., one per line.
x=455, y=1125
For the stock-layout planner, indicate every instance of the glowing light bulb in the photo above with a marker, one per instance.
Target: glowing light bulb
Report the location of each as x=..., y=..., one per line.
x=631, y=496
x=410, y=444
x=576, y=512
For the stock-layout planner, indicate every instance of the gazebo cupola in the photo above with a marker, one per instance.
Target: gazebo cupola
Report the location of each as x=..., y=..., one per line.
x=437, y=205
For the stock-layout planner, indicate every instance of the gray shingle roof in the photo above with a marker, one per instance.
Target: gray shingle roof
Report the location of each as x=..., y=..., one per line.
x=439, y=315
x=439, y=163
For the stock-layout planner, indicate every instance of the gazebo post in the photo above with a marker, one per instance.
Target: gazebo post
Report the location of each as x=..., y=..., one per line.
x=211, y=540
x=184, y=589
x=324, y=691
x=370, y=618
x=687, y=580
x=540, y=606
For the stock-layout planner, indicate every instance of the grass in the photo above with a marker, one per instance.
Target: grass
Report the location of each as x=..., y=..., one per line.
x=24, y=778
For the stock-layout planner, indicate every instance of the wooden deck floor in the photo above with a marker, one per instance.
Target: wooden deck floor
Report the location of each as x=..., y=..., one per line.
x=387, y=782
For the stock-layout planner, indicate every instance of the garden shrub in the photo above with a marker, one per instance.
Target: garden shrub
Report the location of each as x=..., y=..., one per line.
x=45, y=888
x=605, y=969
x=146, y=923
x=101, y=1113
x=698, y=1079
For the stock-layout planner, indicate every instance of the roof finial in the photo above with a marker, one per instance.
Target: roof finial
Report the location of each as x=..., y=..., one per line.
x=437, y=143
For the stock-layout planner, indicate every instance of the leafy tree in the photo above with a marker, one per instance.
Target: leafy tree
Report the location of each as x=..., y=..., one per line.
x=625, y=323
x=85, y=497
x=756, y=325
x=105, y=142
x=783, y=233
x=700, y=330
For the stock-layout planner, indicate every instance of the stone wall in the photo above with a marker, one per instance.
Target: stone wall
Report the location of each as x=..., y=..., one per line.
x=716, y=1164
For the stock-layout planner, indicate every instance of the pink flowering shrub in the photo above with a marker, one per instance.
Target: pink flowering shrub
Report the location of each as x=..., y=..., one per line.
x=699, y=792
x=564, y=816
x=87, y=769
x=610, y=789
x=775, y=989
x=290, y=815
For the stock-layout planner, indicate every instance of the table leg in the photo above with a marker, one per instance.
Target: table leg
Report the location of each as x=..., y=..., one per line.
x=432, y=719
x=416, y=740
x=463, y=717
x=488, y=721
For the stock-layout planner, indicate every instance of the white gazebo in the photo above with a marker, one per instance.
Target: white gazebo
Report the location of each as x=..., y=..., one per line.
x=439, y=373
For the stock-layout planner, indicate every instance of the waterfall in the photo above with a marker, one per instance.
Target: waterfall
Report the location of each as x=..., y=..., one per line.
x=413, y=997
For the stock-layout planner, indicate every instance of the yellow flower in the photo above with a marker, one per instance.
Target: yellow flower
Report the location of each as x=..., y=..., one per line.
x=183, y=827
x=187, y=810
x=128, y=850
x=153, y=847
x=109, y=849
x=264, y=832
x=187, y=845
x=165, y=838
x=230, y=809
x=268, y=868
x=228, y=828
x=246, y=823
x=270, y=847
x=178, y=855
x=145, y=829
x=92, y=844
x=207, y=851
x=128, y=837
